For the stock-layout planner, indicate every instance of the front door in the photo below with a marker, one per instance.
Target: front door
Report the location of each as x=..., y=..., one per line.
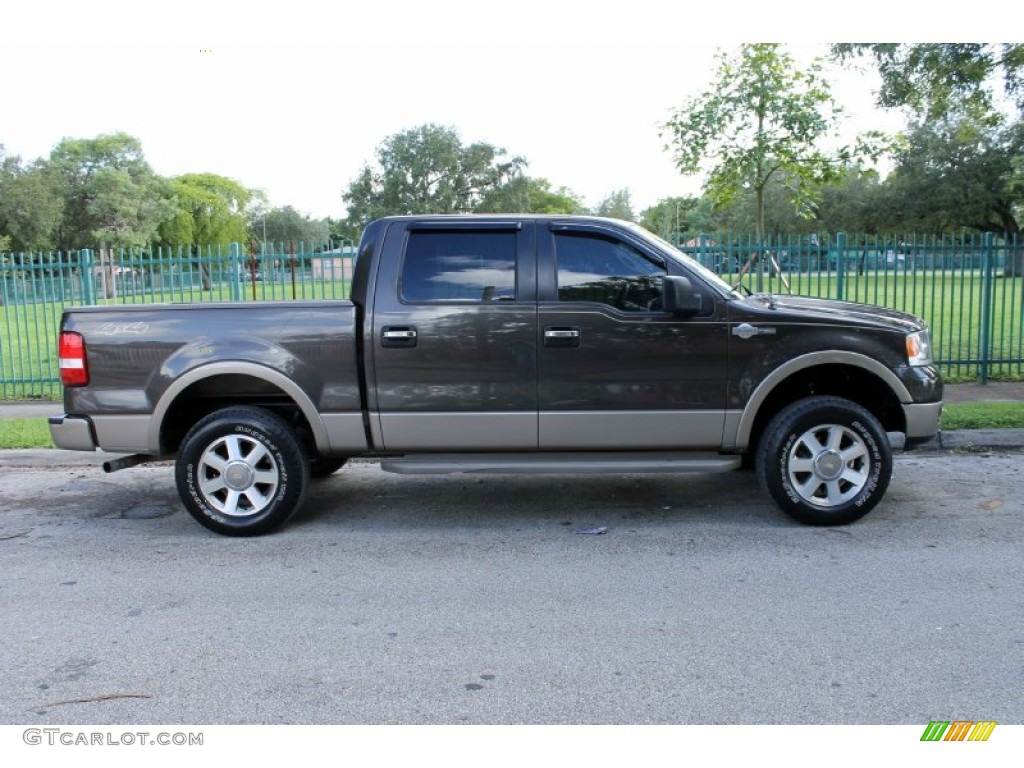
x=615, y=371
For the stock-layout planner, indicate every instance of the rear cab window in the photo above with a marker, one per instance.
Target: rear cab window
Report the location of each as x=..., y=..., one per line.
x=459, y=265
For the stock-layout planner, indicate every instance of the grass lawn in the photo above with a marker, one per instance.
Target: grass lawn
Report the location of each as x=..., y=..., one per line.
x=24, y=433
x=983, y=416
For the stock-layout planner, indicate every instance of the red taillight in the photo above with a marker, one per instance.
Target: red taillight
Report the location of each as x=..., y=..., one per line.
x=71, y=355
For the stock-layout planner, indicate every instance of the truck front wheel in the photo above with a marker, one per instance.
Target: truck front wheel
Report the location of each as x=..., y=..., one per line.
x=241, y=471
x=825, y=461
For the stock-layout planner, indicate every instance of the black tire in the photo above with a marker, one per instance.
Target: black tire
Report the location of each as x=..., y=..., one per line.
x=825, y=461
x=325, y=466
x=241, y=471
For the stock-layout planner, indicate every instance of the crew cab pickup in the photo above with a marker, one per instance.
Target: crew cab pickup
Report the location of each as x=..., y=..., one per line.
x=502, y=344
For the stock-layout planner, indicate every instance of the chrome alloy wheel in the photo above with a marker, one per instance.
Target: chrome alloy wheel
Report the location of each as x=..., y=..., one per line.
x=238, y=476
x=828, y=465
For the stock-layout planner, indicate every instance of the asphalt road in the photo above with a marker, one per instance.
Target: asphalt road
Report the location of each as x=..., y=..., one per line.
x=464, y=599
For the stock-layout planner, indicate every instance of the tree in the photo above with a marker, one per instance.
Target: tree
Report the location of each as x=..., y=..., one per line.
x=673, y=217
x=760, y=120
x=287, y=225
x=111, y=195
x=339, y=230
x=616, y=205
x=853, y=203
x=427, y=169
x=523, y=194
x=30, y=204
x=210, y=211
x=780, y=214
x=960, y=171
x=936, y=79
x=1015, y=182
x=961, y=166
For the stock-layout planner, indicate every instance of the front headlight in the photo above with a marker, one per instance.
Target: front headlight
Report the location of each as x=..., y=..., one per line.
x=919, y=348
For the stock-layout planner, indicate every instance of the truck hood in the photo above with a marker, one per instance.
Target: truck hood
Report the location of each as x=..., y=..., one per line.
x=829, y=310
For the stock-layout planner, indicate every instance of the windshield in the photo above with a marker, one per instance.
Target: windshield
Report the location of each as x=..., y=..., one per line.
x=691, y=263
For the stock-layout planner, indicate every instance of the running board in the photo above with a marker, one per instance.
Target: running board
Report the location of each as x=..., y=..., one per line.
x=560, y=463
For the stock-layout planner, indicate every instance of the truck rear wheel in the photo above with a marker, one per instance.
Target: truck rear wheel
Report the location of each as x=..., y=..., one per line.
x=825, y=461
x=241, y=471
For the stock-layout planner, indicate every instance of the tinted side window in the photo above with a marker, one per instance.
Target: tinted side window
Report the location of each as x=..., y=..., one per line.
x=459, y=266
x=595, y=268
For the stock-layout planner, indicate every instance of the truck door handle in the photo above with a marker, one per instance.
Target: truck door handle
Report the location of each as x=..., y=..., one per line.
x=398, y=336
x=555, y=336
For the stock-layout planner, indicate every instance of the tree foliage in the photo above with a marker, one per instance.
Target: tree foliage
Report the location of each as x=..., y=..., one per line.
x=936, y=79
x=853, y=203
x=287, y=225
x=524, y=194
x=761, y=119
x=110, y=192
x=341, y=229
x=958, y=172
x=210, y=211
x=674, y=218
x=962, y=164
x=779, y=214
x=30, y=205
x=428, y=169
x=617, y=204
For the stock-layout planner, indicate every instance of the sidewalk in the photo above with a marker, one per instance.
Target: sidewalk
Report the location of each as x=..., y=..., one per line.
x=994, y=391
x=32, y=409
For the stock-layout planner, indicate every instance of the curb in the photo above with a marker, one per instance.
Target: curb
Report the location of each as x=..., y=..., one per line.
x=982, y=439
x=970, y=441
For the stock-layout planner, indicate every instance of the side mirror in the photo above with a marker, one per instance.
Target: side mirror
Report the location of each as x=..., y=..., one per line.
x=678, y=296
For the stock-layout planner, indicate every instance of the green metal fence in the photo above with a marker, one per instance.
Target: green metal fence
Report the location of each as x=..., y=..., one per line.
x=969, y=289
x=36, y=287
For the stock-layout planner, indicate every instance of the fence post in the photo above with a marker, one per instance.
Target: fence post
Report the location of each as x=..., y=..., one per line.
x=987, y=276
x=840, y=265
x=86, y=275
x=237, y=271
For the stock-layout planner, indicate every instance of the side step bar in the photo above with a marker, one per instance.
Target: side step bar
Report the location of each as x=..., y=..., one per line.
x=560, y=463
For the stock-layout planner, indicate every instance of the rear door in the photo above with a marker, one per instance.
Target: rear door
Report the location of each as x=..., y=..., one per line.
x=615, y=371
x=453, y=352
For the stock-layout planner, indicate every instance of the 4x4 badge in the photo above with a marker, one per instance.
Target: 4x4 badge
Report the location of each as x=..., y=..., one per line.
x=747, y=331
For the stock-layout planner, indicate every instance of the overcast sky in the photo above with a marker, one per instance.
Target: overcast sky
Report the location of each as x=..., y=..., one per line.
x=293, y=96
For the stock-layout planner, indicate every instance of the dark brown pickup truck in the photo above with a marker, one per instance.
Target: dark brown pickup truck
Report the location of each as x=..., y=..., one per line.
x=503, y=344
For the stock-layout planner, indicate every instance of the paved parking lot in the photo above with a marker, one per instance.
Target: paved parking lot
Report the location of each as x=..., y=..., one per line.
x=468, y=599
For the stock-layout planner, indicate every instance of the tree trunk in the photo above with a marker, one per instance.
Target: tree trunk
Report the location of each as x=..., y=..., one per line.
x=196, y=252
x=107, y=273
x=1009, y=230
x=1014, y=266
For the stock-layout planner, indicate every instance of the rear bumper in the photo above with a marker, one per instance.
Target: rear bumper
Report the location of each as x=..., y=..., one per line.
x=72, y=433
